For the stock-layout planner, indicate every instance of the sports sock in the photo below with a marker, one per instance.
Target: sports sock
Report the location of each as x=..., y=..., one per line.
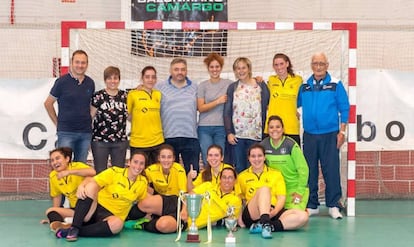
x=135, y=213
x=277, y=226
x=81, y=210
x=54, y=216
x=264, y=218
x=151, y=226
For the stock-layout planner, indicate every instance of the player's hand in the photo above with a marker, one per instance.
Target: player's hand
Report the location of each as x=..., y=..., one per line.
x=296, y=198
x=192, y=174
x=221, y=100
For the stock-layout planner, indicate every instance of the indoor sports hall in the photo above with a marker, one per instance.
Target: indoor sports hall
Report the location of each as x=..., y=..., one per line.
x=369, y=46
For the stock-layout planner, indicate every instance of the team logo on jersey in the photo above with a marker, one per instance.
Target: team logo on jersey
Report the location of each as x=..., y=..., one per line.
x=283, y=151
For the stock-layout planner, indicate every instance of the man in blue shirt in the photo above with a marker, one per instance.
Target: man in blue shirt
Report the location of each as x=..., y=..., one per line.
x=73, y=93
x=325, y=112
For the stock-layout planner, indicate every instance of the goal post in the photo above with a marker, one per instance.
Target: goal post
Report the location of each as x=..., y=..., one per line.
x=109, y=43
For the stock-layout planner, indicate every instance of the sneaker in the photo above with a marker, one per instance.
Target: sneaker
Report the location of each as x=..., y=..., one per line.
x=62, y=232
x=72, y=234
x=334, y=213
x=267, y=231
x=135, y=224
x=312, y=211
x=256, y=228
x=55, y=225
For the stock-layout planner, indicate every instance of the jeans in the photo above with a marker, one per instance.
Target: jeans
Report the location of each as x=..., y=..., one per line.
x=78, y=141
x=209, y=135
x=102, y=150
x=240, y=153
x=189, y=149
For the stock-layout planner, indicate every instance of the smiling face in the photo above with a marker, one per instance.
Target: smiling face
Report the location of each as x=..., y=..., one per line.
x=319, y=66
x=275, y=129
x=227, y=180
x=166, y=158
x=58, y=161
x=242, y=71
x=214, y=69
x=112, y=82
x=257, y=158
x=214, y=157
x=79, y=64
x=280, y=66
x=136, y=165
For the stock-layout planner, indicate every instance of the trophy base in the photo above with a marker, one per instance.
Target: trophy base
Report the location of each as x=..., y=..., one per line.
x=230, y=240
x=191, y=238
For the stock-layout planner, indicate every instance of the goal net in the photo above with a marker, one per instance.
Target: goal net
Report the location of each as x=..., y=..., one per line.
x=133, y=47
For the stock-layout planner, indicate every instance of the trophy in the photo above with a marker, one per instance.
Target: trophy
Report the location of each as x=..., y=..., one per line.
x=231, y=223
x=193, y=209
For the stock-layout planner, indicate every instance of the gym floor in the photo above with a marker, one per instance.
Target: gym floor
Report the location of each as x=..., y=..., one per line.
x=378, y=223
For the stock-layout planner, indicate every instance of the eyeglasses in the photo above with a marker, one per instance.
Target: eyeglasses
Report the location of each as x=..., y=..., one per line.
x=227, y=177
x=320, y=64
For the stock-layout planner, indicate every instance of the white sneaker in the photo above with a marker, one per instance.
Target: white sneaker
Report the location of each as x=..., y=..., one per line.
x=312, y=211
x=334, y=213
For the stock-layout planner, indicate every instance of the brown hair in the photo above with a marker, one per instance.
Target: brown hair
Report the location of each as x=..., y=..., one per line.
x=110, y=71
x=286, y=59
x=65, y=151
x=80, y=52
x=146, y=68
x=206, y=174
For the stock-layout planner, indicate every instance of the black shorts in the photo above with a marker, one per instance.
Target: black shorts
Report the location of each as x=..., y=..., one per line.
x=100, y=214
x=169, y=205
x=248, y=221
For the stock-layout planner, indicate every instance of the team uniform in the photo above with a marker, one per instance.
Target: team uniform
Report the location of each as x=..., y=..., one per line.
x=283, y=102
x=170, y=184
x=250, y=182
x=68, y=185
x=146, y=125
x=218, y=206
x=288, y=158
x=118, y=193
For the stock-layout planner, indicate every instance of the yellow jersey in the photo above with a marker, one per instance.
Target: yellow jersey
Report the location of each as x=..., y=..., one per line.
x=283, y=102
x=146, y=126
x=249, y=182
x=118, y=193
x=68, y=185
x=170, y=184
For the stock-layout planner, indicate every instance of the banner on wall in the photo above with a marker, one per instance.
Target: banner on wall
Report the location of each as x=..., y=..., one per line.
x=385, y=119
x=173, y=43
x=385, y=106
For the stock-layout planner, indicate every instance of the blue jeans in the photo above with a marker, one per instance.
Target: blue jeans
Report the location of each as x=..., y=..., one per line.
x=102, y=150
x=189, y=149
x=240, y=153
x=78, y=141
x=208, y=135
